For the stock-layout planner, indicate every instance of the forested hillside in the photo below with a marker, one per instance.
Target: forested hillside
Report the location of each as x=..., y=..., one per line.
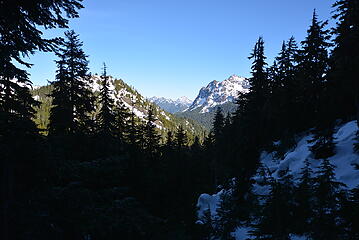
x=122, y=93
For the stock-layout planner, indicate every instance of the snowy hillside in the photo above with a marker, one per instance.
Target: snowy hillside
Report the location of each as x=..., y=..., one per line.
x=172, y=106
x=121, y=92
x=217, y=93
x=344, y=160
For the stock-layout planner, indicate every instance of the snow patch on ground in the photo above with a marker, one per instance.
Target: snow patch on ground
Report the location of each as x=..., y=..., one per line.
x=344, y=160
x=207, y=201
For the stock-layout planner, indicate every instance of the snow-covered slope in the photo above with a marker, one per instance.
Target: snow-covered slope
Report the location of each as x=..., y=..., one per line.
x=344, y=160
x=132, y=99
x=170, y=105
x=217, y=93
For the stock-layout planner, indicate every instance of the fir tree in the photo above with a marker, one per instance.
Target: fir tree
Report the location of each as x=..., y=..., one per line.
x=312, y=67
x=169, y=141
x=327, y=205
x=225, y=221
x=304, y=199
x=72, y=98
x=283, y=94
x=350, y=214
x=151, y=137
x=323, y=144
x=106, y=117
x=345, y=59
x=276, y=217
x=259, y=82
x=251, y=119
x=122, y=118
x=287, y=64
x=135, y=129
x=218, y=124
x=181, y=138
x=132, y=131
x=208, y=231
x=217, y=132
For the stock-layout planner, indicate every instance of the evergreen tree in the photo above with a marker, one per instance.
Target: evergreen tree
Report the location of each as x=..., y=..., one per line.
x=218, y=124
x=283, y=94
x=208, y=231
x=304, y=199
x=273, y=73
x=106, y=117
x=276, y=217
x=345, y=59
x=287, y=64
x=225, y=221
x=122, y=118
x=133, y=130
x=312, y=67
x=327, y=205
x=217, y=132
x=72, y=98
x=250, y=119
x=169, y=141
x=20, y=36
x=259, y=82
x=151, y=137
x=350, y=214
x=181, y=138
x=323, y=145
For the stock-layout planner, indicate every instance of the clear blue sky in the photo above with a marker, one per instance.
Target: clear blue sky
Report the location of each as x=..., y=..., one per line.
x=171, y=48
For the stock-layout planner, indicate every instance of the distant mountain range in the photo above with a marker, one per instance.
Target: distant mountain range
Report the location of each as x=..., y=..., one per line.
x=172, y=106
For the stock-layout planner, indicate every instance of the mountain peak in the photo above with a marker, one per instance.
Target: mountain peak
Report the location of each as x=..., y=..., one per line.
x=184, y=100
x=170, y=105
x=217, y=93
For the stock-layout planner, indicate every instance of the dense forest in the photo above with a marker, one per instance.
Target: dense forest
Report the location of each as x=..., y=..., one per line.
x=109, y=176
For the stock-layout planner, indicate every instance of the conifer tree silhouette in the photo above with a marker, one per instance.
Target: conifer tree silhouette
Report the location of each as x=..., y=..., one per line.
x=73, y=100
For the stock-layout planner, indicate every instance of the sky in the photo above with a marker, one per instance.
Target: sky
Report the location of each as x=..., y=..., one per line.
x=171, y=48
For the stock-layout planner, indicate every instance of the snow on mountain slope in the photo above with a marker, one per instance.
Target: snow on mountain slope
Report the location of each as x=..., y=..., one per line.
x=344, y=160
x=125, y=94
x=217, y=93
x=132, y=99
x=170, y=105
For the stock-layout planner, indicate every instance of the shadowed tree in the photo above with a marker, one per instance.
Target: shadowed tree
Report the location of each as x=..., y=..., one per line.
x=73, y=100
x=181, y=139
x=313, y=61
x=122, y=117
x=106, y=115
x=151, y=137
x=20, y=36
x=325, y=224
x=345, y=59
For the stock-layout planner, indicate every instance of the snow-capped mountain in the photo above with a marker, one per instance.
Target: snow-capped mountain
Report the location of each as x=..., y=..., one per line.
x=218, y=93
x=170, y=105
